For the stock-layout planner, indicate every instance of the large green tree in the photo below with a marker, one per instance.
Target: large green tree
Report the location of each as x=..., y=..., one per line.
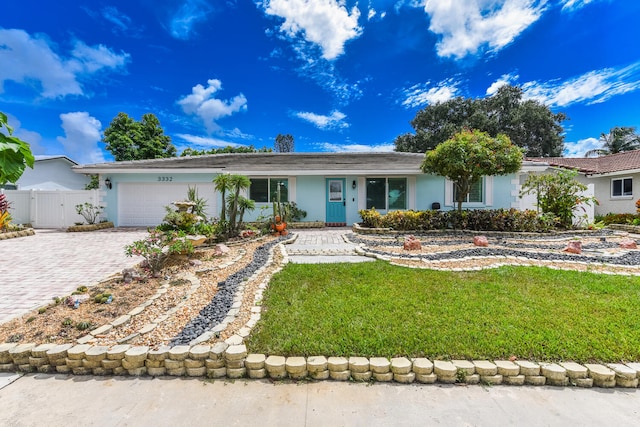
x=15, y=154
x=528, y=123
x=468, y=156
x=618, y=140
x=128, y=139
x=284, y=143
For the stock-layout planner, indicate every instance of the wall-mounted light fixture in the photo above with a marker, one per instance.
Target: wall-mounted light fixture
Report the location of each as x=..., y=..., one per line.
x=107, y=183
x=353, y=184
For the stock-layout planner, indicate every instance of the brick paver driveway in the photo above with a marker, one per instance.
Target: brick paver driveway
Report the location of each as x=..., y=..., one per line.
x=53, y=263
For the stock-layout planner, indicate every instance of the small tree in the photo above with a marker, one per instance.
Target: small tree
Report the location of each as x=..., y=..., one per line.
x=558, y=194
x=470, y=155
x=15, y=154
x=284, y=143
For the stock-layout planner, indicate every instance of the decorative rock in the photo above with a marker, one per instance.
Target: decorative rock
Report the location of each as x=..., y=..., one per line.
x=575, y=370
x=464, y=365
x=507, y=368
x=422, y=366
x=317, y=364
x=411, y=243
x=338, y=364
x=358, y=364
x=628, y=244
x=528, y=368
x=121, y=320
x=401, y=366
x=574, y=247
x=480, y=241
x=221, y=249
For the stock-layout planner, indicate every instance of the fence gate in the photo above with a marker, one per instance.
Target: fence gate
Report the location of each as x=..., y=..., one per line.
x=48, y=209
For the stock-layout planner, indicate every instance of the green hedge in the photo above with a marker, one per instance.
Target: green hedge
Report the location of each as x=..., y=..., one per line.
x=511, y=220
x=620, y=218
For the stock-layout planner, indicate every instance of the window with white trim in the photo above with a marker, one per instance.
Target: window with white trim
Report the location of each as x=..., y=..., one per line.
x=622, y=187
x=265, y=190
x=476, y=193
x=386, y=193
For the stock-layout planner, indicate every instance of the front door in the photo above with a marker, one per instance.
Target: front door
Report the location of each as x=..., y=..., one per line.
x=336, y=202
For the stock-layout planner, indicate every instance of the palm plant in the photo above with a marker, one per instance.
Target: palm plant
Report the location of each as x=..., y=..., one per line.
x=237, y=183
x=618, y=140
x=222, y=184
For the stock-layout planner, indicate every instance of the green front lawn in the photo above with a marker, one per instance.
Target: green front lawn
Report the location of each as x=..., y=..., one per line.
x=376, y=309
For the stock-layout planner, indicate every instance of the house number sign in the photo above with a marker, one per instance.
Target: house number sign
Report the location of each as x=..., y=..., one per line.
x=165, y=178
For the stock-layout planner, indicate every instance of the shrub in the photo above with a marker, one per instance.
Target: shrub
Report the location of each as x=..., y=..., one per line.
x=619, y=218
x=371, y=218
x=157, y=247
x=89, y=212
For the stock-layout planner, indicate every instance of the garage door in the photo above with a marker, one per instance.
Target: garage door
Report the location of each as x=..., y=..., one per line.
x=143, y=204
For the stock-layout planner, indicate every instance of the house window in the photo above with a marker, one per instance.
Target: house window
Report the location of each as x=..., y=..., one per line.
x=386, y=193
x=622, y=187
x=265, y=190
x=475, y=193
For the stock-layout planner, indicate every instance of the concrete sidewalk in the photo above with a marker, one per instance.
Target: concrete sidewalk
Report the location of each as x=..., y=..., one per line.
x=46, y=400
x=321, y=246
x=53, y=263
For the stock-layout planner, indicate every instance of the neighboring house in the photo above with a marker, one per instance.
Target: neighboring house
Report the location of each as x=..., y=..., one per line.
x=614, y=178
x=331, y=187
x=51, y=173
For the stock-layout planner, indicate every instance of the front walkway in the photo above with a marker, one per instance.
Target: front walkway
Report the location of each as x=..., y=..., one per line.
x=320, y=246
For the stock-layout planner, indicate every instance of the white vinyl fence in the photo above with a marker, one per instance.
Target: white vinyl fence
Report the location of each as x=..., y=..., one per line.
x=48, y=209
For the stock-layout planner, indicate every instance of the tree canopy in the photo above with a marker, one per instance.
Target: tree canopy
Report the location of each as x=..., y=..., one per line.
x=224, y=150
x=468, y=156
x=15, y=154
x=128, y=139
x=528, y=123
x=618, y=140
x=284, y=143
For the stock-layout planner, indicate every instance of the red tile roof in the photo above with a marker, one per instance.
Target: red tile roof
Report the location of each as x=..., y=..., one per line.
x=620, y=162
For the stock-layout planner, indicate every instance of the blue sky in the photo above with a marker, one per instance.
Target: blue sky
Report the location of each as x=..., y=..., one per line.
x=338, y=76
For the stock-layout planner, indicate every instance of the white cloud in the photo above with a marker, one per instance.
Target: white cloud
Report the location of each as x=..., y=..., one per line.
x=505, y=79
x=33, y=60
x=355, y=148
x=571, y=5
x=578, y=149
x=332, y=121
x=372, y=13
x=202, y=103
x=593, y=87
x=82, y=134
x=188, y=14
x=206, y=142
x=326, y=23
x=466, y=26
x=423, y=94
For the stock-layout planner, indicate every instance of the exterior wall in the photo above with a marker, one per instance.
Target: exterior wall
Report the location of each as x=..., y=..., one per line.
x=608, y=204
x=52, y=174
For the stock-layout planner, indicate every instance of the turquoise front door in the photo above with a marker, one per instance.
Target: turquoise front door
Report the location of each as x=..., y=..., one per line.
x=336, y=202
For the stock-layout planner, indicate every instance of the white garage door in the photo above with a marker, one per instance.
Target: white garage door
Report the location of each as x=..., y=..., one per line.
x=143, y=204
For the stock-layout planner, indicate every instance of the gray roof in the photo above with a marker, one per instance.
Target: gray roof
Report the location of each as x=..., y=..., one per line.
x=266, y=162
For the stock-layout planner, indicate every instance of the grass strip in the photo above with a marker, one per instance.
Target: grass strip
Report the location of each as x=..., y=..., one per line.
x=376, y=309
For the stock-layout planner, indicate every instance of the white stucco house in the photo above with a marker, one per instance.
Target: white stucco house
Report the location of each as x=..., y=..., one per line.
x=331, y=187
x=616, y=178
